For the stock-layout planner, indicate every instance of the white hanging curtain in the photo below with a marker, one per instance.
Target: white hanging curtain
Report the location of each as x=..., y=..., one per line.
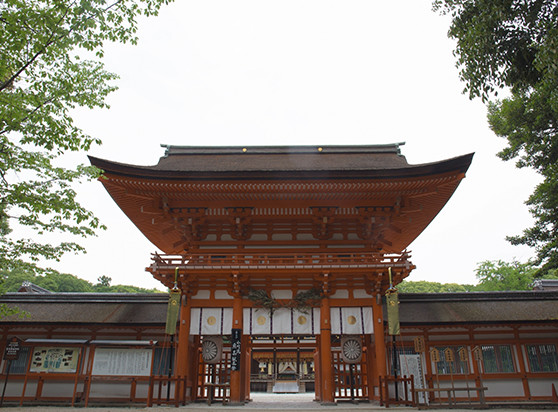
x=210, y=321
x=352, y=321
x=257, y=321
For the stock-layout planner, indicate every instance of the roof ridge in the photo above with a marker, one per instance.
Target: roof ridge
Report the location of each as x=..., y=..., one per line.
x=171, y=150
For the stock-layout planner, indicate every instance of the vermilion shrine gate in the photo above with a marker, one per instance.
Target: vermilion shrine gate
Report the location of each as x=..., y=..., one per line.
x=307, y=231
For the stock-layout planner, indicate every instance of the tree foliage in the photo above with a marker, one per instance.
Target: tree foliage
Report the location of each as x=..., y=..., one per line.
x=491, y=276
x=63, y=282
x=423, y=286
x=500, y=275
x=513, y=45
x=44, y=75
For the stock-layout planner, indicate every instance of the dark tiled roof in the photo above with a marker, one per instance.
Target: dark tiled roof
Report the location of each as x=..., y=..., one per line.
x=298, y=161
x=150, y=309
x=29, y=287
x=545, y=284
x=88, y=308
x=478, y=307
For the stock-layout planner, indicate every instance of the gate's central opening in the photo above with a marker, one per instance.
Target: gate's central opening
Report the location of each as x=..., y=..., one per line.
x=283, y=364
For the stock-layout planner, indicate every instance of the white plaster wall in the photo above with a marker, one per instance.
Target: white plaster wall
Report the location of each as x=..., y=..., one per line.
x=542, y=386
x=58, y=389
x=504, y=388
x=340, y=294
x=110, y=390
x=282, y=294
x=202, y=294
x=361, y=294
x=14, y=388
x=142, y=390
x=222, y=294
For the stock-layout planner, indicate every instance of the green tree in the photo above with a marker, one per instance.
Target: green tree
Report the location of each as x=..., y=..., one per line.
x=50, y=64
x=513, y=45
x=62, y=282
x=104, y=281
x=500, y=275
x=423, y=286
x=124, y=289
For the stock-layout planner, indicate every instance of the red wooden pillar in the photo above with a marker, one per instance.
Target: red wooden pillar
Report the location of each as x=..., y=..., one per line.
x=317, y=374
x=247, y=363
x=379, y=338
x=237, y=383
x=371, y=374
x=182, y=355
x=521, y=363
x=326, y=365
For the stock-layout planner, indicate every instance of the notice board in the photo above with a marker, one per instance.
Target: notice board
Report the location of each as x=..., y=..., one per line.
x=122, y=362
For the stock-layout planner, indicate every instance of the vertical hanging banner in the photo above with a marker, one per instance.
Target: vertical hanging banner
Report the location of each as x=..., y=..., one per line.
x=392, y=301
x=235, y=349
x=172, y=311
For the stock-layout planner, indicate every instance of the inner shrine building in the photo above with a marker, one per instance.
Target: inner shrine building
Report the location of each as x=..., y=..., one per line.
x=282, y=256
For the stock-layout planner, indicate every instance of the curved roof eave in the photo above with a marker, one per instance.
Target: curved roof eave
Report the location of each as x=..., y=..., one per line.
x=457, y=164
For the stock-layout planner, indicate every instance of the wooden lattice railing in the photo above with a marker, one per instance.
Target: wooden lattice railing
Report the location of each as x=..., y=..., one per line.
x=280, y=260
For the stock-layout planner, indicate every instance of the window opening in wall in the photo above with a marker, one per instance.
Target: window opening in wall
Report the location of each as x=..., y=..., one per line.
x=497, y=359
x=542, y=358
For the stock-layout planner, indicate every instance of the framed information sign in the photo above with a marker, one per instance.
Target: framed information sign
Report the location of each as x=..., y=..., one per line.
x=54, y=359
x=12, y=349
x=122, y=362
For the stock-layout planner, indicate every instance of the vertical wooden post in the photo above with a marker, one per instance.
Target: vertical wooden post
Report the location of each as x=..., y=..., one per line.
x=194, y=372
x=428, y=367
x=326, y=366
x=182, y=355
x=371, y=369
x=521, y=364
x=317, y=371
x=236, y=375
x=379, y=338
x=247, y=366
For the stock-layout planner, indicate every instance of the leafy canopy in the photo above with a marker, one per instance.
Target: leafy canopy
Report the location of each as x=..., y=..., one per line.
x=423, y=286
x=513, y=45
x=500, y=275
x=43, y=76
x=491, y=276
x=63, y=282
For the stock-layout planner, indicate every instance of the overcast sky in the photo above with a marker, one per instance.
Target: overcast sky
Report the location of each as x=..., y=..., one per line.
x=312, y=72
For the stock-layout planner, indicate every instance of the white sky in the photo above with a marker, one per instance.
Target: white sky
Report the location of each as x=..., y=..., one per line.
x=323, y=72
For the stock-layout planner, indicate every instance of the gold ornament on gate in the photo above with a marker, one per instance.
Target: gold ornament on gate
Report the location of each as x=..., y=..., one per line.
x=302, y=320
x=351, y=320
x=211, y=320
x=261, y=320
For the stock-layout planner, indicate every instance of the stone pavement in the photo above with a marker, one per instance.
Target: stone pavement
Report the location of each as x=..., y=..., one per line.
x=261, y=402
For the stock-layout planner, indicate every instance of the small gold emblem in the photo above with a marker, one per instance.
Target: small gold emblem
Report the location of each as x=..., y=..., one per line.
x=351, y=320
x=261, y=320
x=211, y=320
x=302, y=320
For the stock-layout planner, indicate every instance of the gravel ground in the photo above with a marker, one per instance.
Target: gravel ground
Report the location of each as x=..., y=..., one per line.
x=260, y=402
